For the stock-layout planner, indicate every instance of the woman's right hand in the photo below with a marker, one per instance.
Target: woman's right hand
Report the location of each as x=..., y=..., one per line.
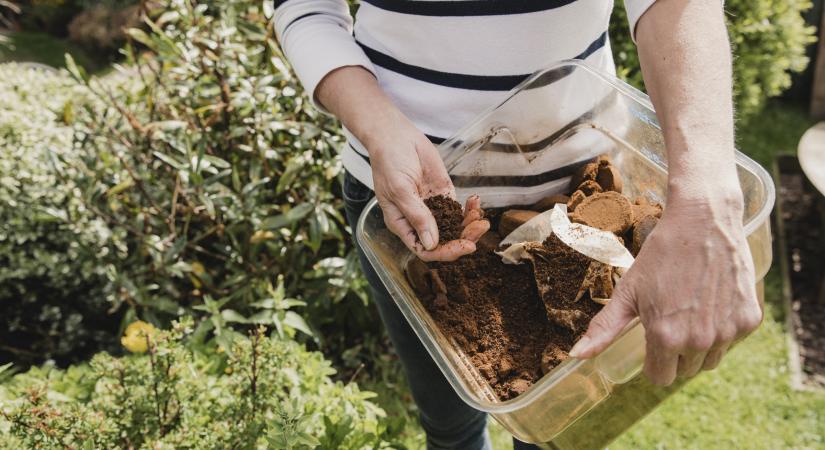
x=406, y=167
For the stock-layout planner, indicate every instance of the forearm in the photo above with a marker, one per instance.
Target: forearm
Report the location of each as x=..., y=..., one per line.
x=353, y=95
x=686, y=62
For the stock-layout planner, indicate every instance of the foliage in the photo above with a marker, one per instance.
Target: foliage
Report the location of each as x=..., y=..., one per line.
x=259, y=393
x=768, y=39
x=51, y=283
x=216, y=177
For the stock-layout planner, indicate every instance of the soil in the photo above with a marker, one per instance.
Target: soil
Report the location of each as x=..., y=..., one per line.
x=516, y=322
x=803, y=213
x=448, y=216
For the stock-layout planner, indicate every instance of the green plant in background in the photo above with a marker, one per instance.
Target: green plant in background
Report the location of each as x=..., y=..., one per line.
x=259, y=393
x=52, y=284
x=216, y=177
x=768, y=39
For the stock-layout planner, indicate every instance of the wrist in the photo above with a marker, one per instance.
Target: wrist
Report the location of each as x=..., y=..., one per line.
x=718, y=197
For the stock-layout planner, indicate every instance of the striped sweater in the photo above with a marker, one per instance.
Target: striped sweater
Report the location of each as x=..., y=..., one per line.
x=442, y=62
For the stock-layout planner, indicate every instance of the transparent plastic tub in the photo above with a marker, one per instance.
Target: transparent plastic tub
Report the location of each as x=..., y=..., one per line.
x=516, y=153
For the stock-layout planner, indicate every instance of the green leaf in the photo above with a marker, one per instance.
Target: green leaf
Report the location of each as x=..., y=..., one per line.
x=217, y=162
x=120, y=187
x=294, y=320
x=140, y=36
x=77, y=72
x=179, y=165
x=293, y=167
x=293, y=215
x=230, y=315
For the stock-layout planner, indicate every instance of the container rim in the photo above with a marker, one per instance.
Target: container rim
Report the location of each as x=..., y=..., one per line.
x=642, y=100
x=571, y=365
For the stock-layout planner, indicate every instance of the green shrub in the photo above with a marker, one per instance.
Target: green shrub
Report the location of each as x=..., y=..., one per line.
x=768, y=38
x=259, y=393
x=52, y=286
x=216, y=177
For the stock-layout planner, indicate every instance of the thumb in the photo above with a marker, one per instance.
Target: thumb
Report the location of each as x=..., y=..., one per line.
x=607, y=324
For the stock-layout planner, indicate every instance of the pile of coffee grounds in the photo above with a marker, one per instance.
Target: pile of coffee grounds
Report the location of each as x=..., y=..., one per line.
x=448, y=216
x=492, y=311
x=559, y=272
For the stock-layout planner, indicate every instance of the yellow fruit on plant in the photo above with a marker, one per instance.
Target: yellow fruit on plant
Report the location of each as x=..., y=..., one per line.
x=137, y=335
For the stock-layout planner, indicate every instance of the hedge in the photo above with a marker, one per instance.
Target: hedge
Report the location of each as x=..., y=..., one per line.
x=52, y=285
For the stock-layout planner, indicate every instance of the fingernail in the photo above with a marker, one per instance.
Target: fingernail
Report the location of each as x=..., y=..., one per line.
x=428, y=240
x=580, y=347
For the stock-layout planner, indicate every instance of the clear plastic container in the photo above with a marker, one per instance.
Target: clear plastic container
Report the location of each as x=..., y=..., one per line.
x=516, y=153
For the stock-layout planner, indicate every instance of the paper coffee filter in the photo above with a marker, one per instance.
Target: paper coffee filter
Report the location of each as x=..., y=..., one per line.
x=603, y=246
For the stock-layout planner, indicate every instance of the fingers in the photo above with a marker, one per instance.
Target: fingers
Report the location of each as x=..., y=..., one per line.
x=475, y=230
x=449, y=251
x=417, y=214
x=606, y=325
x=472, y=216
x=437, y=179
x=660, y=364
x=690, y=364
x=398, y=224
x=714, y=357
x=472, y=210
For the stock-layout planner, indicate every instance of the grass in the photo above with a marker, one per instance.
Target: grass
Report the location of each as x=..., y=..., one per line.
x=747, y=403
x=43, y=48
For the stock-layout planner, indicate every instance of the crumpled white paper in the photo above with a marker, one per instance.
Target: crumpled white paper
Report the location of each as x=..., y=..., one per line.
x=603, y=246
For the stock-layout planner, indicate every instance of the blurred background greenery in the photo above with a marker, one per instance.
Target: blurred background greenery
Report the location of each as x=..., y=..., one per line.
x=175, y=174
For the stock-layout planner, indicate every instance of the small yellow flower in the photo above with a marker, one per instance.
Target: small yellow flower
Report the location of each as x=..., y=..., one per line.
x=228, y=371
x=134, y=339
x=197, y=268
x=197, y=271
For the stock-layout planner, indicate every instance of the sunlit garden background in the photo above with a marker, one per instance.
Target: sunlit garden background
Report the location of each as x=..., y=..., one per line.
x=176, y=272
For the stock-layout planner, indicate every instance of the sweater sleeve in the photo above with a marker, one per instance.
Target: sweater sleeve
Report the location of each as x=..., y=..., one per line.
x=316, y=38
x=635, y=9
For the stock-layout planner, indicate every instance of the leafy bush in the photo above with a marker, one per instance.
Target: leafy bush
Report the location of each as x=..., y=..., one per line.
x=768, y=38
x=258, y=393
x=52, y=287
x=216, y=177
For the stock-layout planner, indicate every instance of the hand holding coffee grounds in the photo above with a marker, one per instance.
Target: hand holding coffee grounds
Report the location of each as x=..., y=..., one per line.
x=448, y=216
x=518, y=322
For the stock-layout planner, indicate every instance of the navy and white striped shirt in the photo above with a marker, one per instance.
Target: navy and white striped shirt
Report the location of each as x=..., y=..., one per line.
x=442, y=62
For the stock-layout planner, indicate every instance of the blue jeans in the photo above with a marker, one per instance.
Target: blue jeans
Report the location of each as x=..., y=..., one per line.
x=448, y=421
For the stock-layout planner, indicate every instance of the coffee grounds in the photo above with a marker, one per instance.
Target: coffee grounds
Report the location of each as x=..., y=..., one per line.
x=494, y=315
x=559, y=273
x=448, y=216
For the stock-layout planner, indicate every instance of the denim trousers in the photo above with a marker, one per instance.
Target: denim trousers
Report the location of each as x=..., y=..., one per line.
x=448, y=422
